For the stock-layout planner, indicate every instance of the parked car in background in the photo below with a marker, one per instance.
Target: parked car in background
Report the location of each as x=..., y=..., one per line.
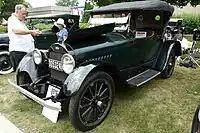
x=42, y=42
x=196, y=34
x=175, y=29
x=130, y=49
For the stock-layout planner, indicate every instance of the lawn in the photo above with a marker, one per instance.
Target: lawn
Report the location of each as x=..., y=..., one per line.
x=160, y=106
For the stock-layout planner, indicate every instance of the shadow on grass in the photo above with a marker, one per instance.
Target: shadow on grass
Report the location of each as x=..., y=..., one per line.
x=126, y=92
x=64, y=115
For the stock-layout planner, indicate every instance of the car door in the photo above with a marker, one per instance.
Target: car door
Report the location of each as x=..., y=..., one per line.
x=45, y=39
x=148, y=47
x=126, y=54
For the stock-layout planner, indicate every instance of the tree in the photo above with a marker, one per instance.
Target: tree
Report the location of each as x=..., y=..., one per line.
x=88, y=6
x=179, y=3
x=8, y=6
x=67, y=3
x=28, y=5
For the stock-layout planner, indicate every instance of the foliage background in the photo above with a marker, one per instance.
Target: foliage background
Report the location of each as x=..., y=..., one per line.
x=8, y=6
x=189, y=21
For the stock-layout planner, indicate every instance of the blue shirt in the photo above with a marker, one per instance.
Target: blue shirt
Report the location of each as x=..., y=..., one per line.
x=61, y=34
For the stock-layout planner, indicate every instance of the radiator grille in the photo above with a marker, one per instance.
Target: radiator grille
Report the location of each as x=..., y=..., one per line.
x=56, y=74
x=55, y=56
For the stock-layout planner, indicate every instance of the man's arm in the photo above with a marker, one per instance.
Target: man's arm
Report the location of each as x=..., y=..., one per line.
x=65, y=35
x=65, y=38
x=22, y=32
x=25, y=32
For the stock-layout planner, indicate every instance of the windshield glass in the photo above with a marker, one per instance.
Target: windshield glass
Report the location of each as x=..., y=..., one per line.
x=172, y=23
x=96, y=20
x=41, y=24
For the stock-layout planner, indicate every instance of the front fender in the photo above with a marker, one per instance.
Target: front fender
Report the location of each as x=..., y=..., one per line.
x=75, y=79
x=27, y=65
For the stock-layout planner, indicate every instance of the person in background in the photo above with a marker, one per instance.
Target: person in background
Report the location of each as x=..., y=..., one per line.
x=21, y=40
x=63, y=33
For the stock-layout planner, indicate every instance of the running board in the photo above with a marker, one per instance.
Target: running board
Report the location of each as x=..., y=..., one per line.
x=143, y=77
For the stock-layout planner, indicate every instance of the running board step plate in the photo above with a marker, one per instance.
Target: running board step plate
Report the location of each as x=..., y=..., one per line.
x=143, y=77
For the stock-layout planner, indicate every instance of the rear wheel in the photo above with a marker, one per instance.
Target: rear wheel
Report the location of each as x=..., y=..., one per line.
x=169, y=69
x=5, y=63
x=92, y=103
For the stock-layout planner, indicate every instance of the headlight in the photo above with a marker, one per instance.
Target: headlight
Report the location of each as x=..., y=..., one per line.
x=37, y=56
x=68, y=63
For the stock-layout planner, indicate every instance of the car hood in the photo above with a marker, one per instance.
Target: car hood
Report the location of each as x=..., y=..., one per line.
x=4, y=38
x=2, y=35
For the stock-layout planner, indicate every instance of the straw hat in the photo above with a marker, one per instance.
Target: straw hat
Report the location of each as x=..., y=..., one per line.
x=60, y=21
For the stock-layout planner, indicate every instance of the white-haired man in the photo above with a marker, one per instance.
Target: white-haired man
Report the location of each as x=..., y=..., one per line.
x=21, y=40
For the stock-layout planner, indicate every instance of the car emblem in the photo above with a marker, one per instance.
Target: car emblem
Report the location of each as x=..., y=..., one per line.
x=57, y=48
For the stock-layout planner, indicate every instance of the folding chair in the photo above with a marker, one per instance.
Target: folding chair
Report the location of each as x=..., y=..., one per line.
x=190, y=57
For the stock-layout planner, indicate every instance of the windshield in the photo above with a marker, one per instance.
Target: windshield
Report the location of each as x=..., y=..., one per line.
x=172, y=23
x=41, y=24
x=96, y=20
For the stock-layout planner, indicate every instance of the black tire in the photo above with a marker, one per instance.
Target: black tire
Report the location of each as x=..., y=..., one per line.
x=195, y=122
x=169, y=69
x=5, y=63
x=97, y=101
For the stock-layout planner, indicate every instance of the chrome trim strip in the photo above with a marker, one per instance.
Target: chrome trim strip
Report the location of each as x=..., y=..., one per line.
x=168, y=53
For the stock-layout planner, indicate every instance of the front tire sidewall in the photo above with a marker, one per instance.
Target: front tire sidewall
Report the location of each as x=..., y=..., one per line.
x=75, y=100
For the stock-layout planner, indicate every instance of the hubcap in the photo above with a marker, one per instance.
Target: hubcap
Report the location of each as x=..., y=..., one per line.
x=5, y=63
x=95, y=102
x=99, y=103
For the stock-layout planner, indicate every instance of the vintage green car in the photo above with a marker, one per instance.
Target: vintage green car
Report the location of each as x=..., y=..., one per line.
x=43, y=41
x=129, y=49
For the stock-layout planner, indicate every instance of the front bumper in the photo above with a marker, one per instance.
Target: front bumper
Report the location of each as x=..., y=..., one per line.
x=53, y=106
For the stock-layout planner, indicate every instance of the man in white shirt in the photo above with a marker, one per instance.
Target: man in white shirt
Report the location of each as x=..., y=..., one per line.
x=21, y=40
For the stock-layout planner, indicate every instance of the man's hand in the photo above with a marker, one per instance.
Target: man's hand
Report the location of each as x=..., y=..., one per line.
x=35, y=32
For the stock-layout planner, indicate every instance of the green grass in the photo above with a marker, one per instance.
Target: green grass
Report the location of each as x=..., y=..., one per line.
x=160, y=106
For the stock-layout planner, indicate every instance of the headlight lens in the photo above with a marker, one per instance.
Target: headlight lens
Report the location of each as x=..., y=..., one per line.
x=68, y=63
x=37, y=56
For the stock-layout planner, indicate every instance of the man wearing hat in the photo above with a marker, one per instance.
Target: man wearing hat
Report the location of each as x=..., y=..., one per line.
x=63, y=33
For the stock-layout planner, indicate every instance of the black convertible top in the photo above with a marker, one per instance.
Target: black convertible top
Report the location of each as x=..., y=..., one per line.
x=136, y=5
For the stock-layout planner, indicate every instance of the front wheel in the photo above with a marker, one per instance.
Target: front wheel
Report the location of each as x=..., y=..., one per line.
x=195, y=122
x=169, y=69
x=92, y=103
x=5, y=63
